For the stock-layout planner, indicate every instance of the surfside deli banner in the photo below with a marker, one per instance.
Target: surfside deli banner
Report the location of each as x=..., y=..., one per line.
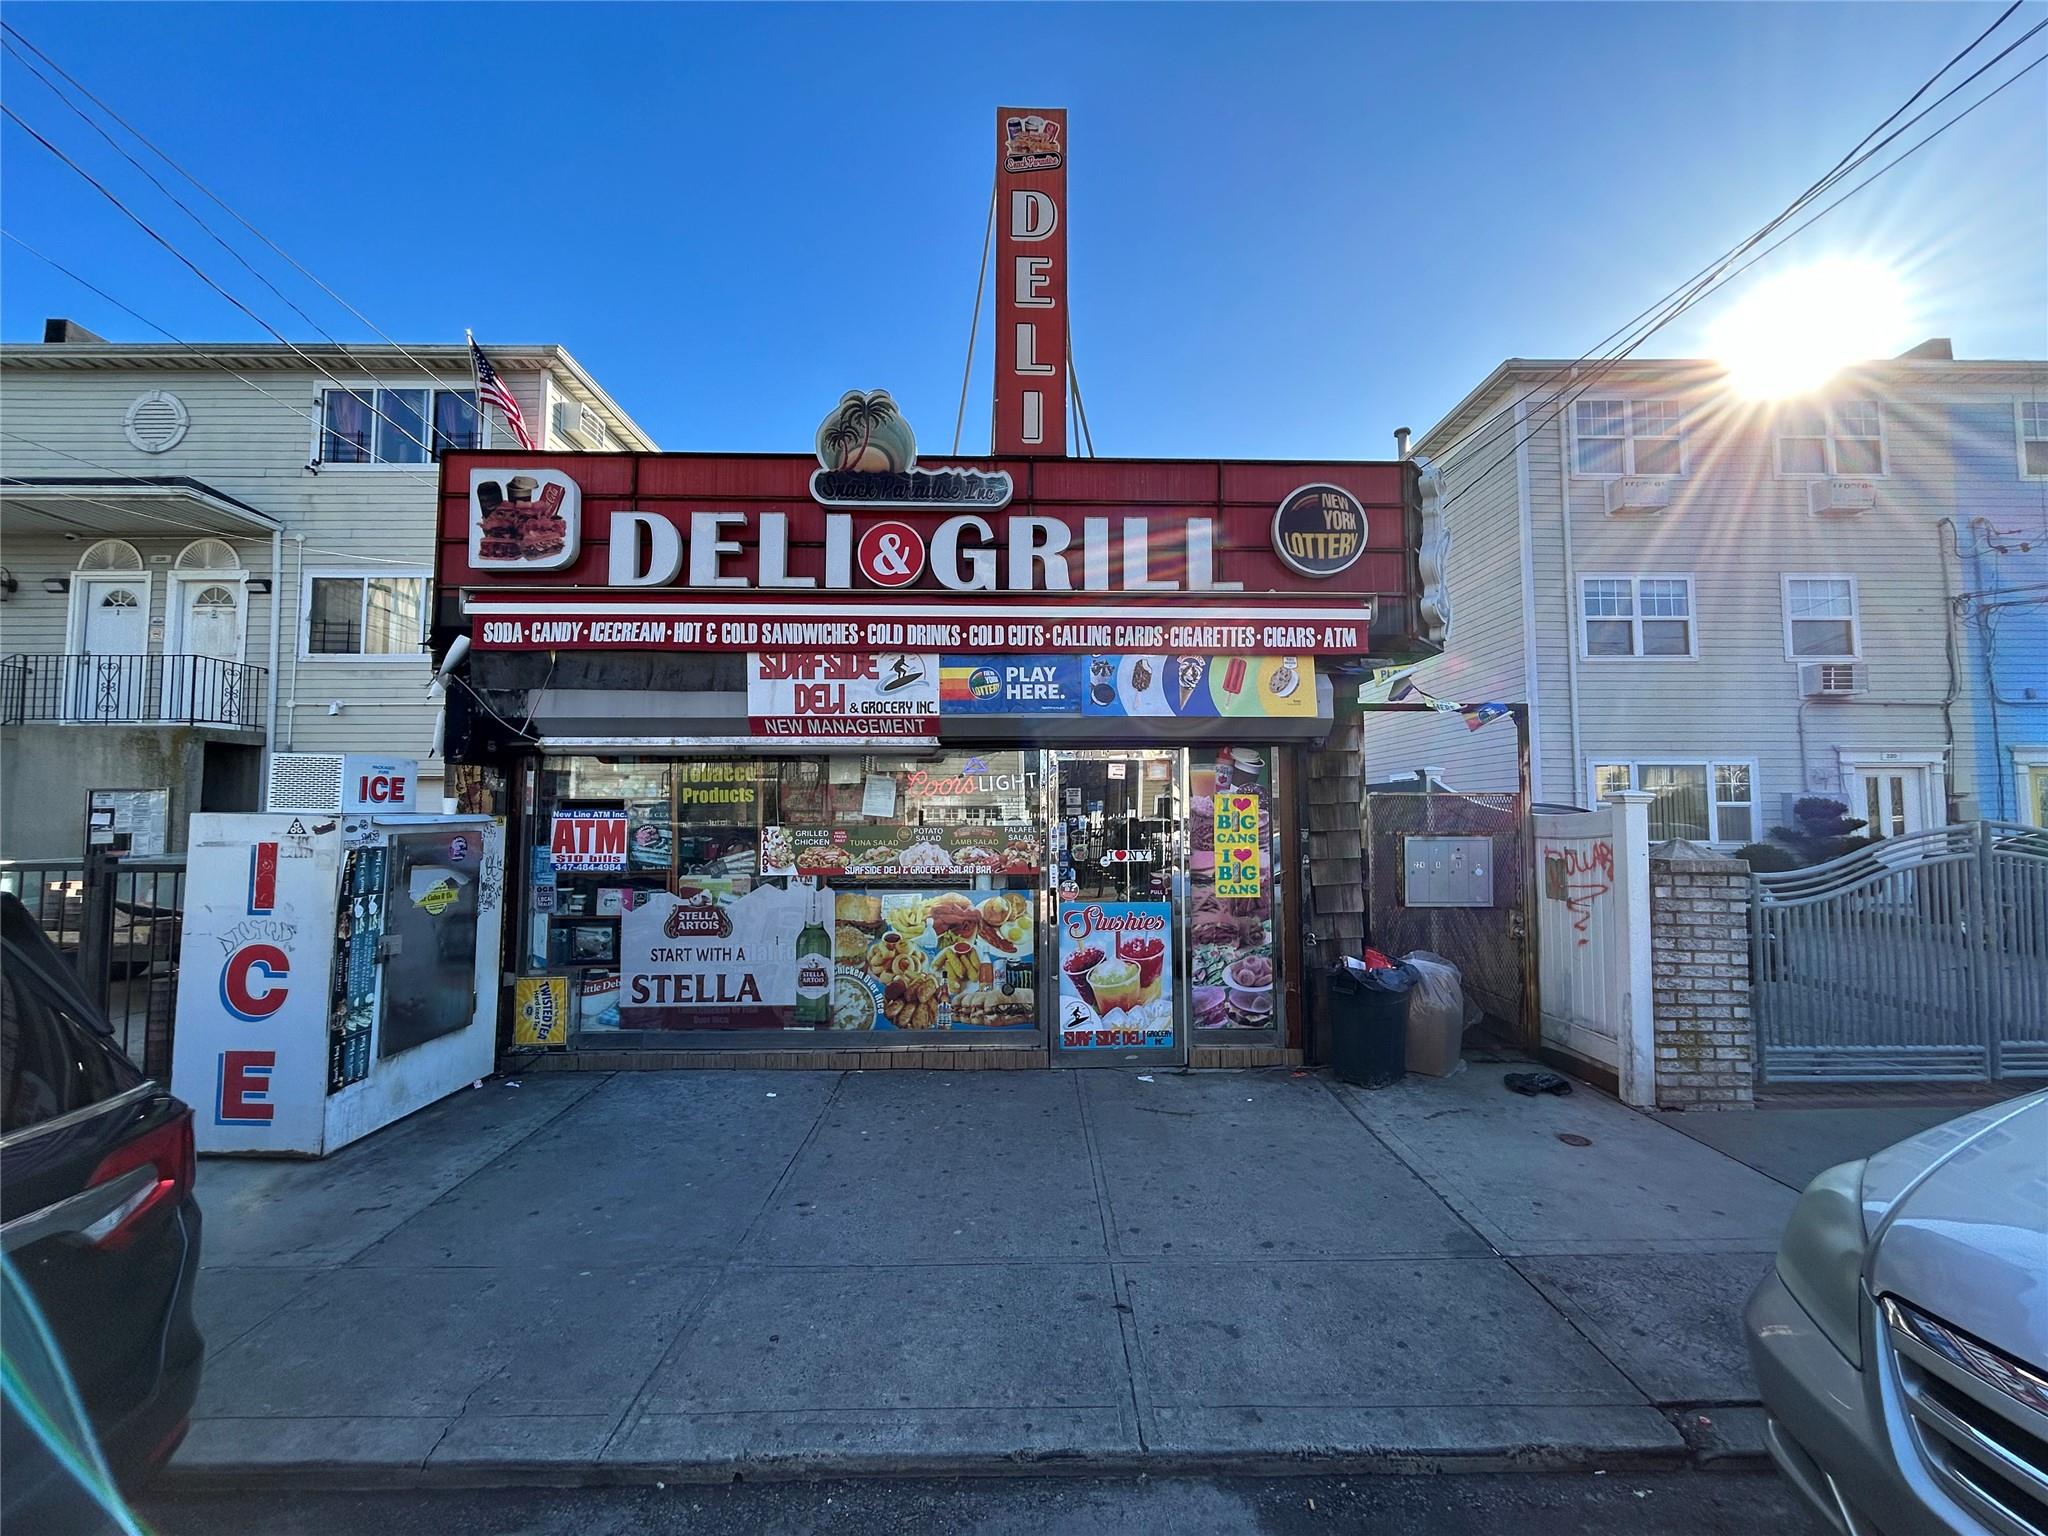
x=860, y=548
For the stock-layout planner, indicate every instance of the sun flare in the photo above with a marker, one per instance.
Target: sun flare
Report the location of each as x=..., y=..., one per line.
x=1795, y=331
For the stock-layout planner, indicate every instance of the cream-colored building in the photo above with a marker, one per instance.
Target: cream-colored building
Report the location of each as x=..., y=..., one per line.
x=213, y=554
x=1729, y=604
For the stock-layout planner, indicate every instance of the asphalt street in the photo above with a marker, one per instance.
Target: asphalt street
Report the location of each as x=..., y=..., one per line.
x=1535, y=1504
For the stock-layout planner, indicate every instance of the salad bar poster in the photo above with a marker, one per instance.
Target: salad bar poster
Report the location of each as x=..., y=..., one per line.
x=1116, y=975
x=900, y=849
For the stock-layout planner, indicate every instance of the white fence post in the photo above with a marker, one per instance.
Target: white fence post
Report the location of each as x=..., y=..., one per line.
x=1636, y=1070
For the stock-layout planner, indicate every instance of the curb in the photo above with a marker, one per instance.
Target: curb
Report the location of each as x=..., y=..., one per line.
x=314, y=1476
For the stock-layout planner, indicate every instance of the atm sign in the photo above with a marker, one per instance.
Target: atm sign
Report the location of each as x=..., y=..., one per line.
x=589, y=840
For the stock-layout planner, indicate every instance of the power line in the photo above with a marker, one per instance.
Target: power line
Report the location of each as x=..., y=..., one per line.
x=169, y=195
x=209, y=193
x=309, y=412
x=1721, y=277
x=1838, y=172
x=149, y=229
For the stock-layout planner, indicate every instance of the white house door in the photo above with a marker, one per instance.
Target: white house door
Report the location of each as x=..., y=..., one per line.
x=107, y=675
x=202, y=683
x=1891, y=797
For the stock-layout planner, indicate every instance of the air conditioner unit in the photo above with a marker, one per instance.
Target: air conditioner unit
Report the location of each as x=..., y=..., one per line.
x=1840, y=498
x=304, y=781
x=1637, y=493
x=581, y=425
x=1832, y=679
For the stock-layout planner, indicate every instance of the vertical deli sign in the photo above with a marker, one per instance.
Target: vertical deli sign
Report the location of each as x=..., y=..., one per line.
x=1031, y=282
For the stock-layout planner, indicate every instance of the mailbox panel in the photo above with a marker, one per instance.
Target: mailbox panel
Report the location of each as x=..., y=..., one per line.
x=1447, y=871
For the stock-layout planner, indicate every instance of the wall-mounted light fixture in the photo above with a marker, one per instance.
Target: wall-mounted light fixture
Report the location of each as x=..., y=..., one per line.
x=56, y=585
x=259, y=584
x=8, y=585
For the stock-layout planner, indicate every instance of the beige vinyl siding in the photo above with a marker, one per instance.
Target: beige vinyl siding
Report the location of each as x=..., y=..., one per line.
x=1737, y=528
x=37, y=623
x=254, y=448
x=1552, y=607
x=1484, y=659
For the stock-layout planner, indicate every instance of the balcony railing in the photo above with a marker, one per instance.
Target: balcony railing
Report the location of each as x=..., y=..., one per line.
x=130, y=690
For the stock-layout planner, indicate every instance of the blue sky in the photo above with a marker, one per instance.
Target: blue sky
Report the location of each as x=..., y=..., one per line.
x=1292, y=229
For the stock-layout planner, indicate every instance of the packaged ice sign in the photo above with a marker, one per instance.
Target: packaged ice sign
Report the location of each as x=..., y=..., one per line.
x=370, y=784
x=589, y=841
x=258, y=930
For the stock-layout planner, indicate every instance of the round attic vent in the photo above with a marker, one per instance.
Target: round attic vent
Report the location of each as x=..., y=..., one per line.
x=157, y=421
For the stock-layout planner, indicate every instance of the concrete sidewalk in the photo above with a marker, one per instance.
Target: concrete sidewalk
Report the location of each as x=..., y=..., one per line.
x=692, y=1274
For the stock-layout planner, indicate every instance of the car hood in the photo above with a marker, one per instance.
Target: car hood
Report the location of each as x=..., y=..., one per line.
x=1959, y=1223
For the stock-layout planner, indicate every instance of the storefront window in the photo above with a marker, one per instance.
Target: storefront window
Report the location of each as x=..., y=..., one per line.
x=837, y=893
x=1234, y=885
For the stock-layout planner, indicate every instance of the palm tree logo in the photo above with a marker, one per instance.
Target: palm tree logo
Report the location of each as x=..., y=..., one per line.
x=866, y=433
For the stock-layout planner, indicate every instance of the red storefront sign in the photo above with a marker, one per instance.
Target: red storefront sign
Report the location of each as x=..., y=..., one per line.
x=1031, y=282
x=688, y=552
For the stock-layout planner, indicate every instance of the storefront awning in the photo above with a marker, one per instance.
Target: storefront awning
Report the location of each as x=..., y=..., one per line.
x=657, y=722
x=134, y=507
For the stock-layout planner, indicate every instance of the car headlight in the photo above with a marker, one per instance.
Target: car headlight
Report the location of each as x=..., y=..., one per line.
x=1820, y=1258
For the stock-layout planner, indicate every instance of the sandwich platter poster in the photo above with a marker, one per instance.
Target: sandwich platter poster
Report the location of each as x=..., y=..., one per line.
x=933, y=960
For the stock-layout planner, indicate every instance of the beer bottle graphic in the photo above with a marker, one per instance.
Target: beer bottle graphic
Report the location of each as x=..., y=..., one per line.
x=813, y=968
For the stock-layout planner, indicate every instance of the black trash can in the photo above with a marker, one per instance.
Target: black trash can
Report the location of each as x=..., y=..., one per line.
x=1368, y=1024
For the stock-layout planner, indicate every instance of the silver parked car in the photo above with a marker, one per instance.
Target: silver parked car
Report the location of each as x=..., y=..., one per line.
x=1901, y=1341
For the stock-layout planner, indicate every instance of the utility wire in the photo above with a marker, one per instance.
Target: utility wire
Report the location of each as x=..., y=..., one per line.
x=178, y=203
x=1838, y=171
x=169, y=196
x=209, y=193
x=1722, y=277
x=310, y=413
x=974, y=325
x=149, y=229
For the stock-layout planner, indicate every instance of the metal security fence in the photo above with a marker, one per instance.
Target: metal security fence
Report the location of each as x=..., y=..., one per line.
x=1487, y=944
x=124, y=945
x=1918, y=957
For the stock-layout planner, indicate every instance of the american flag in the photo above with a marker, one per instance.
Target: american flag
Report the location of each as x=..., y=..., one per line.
x=491, y=390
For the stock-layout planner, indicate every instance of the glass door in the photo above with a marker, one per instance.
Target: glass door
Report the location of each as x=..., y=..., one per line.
x=1120, y=883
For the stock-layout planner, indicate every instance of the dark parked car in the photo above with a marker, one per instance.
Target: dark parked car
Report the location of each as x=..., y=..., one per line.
x=99, y=1224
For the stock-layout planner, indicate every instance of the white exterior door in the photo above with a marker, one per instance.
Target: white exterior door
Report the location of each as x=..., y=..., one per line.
x=106, y=675
x=209, y=620
x=1891, y=797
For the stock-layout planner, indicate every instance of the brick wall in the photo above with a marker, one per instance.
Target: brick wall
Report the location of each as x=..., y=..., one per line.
x=1699, y=968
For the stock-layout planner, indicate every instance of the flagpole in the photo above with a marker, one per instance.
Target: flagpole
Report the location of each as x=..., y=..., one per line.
x=476, y=384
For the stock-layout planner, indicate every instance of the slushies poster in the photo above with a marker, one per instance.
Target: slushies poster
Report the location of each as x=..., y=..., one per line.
x=1116, y=975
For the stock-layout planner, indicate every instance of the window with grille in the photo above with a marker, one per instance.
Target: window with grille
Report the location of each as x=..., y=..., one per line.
x=1636, y=616
x=1628, y=437
x=2033, y=415
x=1846, y=438
x=1700, y=800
